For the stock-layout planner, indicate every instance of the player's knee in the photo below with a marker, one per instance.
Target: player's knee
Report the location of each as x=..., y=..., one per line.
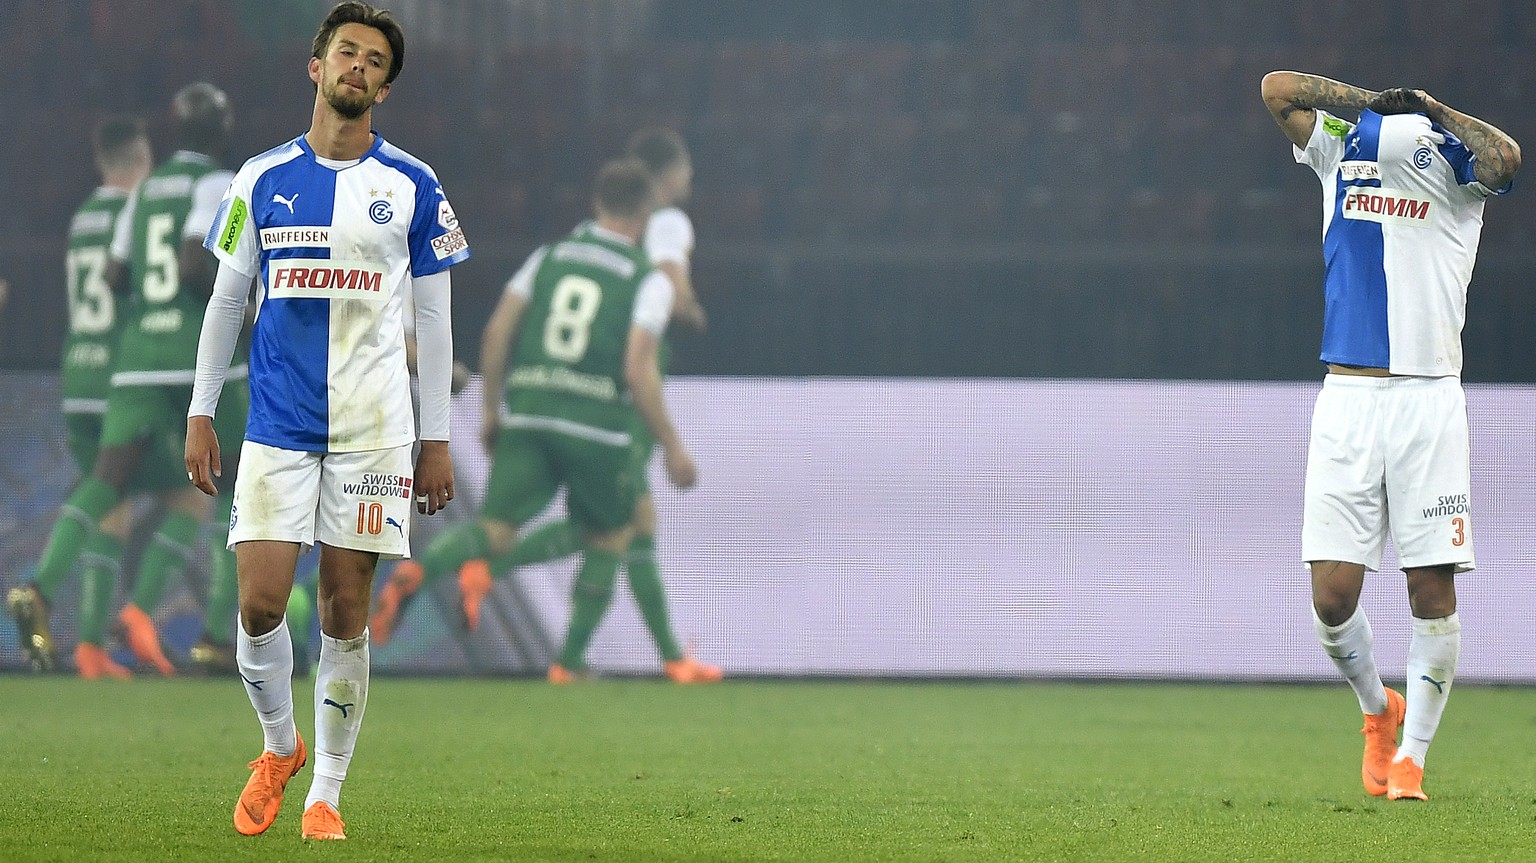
x=259, y=618
x=499, y=535
x=644, y=521
x=614, y=541
x=1334, y=607
x=1431, y=593
x=118, y=521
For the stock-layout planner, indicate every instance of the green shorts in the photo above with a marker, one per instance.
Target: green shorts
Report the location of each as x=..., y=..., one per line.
x=159, y=414
x=531, y=465
x=83, y=431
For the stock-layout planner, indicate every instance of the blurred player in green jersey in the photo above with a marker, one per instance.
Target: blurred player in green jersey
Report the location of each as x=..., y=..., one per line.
x=122, y=156
x=582, y=378
x=156, y=258
x=667, y=240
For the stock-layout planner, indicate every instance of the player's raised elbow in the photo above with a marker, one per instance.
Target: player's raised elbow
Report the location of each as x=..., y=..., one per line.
x=1496, y=168
x=1513, y=160
x=1278, y=88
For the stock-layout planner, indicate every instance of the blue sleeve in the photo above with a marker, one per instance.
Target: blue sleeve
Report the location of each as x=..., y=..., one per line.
x=1459, y=157
x=436, y=239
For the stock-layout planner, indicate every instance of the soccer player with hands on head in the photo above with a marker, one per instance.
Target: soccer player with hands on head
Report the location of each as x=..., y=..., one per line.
x=339, y=226
x=1403, y=194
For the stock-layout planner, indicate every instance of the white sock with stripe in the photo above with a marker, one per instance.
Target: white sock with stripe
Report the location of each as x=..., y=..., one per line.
x=1432, y=656
x=1349, y=645
x=266, y=667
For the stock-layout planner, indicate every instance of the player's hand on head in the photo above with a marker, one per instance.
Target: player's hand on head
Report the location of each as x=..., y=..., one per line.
x=1401, y=100
x=433, y=482
x=681, y=470
x=202, y=454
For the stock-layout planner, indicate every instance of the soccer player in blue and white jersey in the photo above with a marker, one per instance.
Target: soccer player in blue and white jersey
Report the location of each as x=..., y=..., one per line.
x=1403, y=194
x=337, y=226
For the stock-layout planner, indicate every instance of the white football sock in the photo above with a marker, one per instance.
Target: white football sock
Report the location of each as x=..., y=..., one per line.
x=341, y=694
x=1349, y=645
x=266, y=666
x=1432, y=655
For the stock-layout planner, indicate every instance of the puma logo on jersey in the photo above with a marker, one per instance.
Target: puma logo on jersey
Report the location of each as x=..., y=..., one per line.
x=287, y=202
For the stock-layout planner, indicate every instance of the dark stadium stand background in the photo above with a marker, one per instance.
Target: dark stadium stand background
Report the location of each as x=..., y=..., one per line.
x=992, y=188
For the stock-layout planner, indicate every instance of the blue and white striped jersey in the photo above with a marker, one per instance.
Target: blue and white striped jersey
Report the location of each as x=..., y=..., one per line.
x=335, y=245
x=1402, y=215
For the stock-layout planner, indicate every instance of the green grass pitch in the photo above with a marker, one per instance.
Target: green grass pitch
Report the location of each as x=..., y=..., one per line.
x=630, y=770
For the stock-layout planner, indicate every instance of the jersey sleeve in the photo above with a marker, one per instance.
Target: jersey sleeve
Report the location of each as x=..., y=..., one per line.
x=231, y=234
x=653, y=303
x=1463, y=163
x=121, y=248
x=436, y=238
x=669, y=236
x=1325, y=148
x=206, y=197
x=521, y=282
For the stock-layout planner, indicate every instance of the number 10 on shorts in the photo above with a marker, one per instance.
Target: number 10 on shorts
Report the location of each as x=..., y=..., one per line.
x=370, y=518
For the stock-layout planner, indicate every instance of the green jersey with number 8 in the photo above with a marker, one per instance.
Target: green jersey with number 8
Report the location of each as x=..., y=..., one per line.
x=568, y=361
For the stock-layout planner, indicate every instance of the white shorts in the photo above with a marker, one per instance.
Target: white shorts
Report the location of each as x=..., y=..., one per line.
x=1389, y=453
x=355, y=500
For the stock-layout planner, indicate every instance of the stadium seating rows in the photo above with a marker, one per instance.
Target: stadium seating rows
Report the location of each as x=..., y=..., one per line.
x=1099, y=120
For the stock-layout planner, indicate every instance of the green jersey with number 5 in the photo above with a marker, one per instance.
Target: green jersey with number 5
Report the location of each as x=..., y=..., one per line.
x=568, y=360
x=176, y=202
x=94, y=313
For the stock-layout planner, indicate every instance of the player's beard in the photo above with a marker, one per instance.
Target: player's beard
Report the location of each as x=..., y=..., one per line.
x=350, y=104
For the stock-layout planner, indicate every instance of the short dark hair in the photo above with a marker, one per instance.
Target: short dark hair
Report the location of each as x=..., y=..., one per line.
x=623, y=189
x=202, y=116
x=353, y=12
x=115, y=135
x=658, y=148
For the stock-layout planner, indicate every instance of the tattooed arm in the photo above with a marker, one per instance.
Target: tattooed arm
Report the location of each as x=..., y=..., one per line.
x=1294, y=97
x=1498, y=156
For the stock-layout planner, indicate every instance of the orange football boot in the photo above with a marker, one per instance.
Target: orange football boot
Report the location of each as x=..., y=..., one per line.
x=403, y=583
x=143, y=639
x=321, y=821
x=93, y=663
x=1406, y=781
x=475, y=582
x=690, y=670
x=1381, y=743
x=560, y=675
x=263, y=793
